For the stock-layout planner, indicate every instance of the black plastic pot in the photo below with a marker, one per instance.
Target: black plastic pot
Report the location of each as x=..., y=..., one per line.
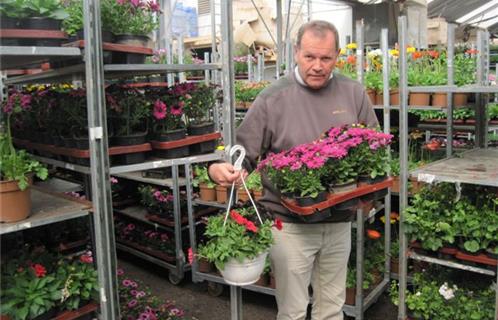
x=130, y=158
x=132, y=40
x=179, y=152
x=41, y=24
x=130, y=140
x=171, y=135
x=351, y=204
x=202, y=147
x=9, y=22
x=309, y=201
x=200, y=129
x=107, y=36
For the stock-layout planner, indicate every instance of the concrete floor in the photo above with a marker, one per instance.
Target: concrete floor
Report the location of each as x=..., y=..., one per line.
x=198, y=304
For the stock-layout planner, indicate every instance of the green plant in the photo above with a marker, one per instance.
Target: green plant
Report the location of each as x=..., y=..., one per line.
x=493, y=111
x=201, y=176
x=156, y=201
x=200, y=102
x=247, y=91
x=253, y=181
x=465, y=68
x=13, y=9
x=133, y=17
x=128, y=111
x=34, y=8
x=241, y=237
x=17, y=165
x=80, y=284
x=373, y=80
x=463, y=113
x=340, y=171
x=74, y=21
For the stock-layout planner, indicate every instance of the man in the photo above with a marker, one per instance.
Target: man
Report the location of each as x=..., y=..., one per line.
x=297, y=109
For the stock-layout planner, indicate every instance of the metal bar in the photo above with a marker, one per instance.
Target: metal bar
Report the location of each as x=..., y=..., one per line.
x=481, y=121
x=180, y=256
x=279, y=38
x=360, y=263
x=228, y=73
x=264, y=23
x=214, y=41
x=360, y=36
x=206, y=72
x=261, y=67
x=288, y=45
x=309, y=10
x=451, y=264
x=236, y=302
x=145, y=256
x=384, y=41
x=101, y=189
x=250, y=71
x=191, y=223
x=181, y=51
x=403, y=155
x=449, y=96
x=62, y=164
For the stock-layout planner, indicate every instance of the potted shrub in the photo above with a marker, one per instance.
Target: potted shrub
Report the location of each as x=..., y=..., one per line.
x=204, y=183
x=17, y=168
x=238, y=244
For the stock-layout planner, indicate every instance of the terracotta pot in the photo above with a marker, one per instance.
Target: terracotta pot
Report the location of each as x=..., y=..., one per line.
x=419, y=99
x=15, y=205
x=394, y=265
x=395, y=187
x=242, y=195
x=372, y=95
x=206, y=193
x=394, y=97
x=257, y=194
x=460, y=99
x=350, y=296
x=263, y=280
x=204, y=266
x=440, y=99
x=221, y=194
x=379, y=99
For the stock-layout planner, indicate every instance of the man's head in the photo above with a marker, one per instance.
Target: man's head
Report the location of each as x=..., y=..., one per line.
x=316, y=52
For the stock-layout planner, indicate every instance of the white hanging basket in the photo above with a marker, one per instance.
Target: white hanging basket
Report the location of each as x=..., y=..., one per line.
x=243, y=273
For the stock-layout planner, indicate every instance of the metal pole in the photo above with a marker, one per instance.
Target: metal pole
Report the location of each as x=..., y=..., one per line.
x=481, y=121
x=228, y=73
x=279, y=38
x=212, y=11
x=384, y=41
x=360, y=35
x=264, y=23
x=181, y=51
x=403, y=157
x=359, y=264
x=449, y=95
x=236, y=302
x=191, y=222
x=105, y=249
x=165, y=34
x=288, y=44
x=250, y=68
x=309, y=10
x=180, y=256
x=261, y=67
x=206, y=72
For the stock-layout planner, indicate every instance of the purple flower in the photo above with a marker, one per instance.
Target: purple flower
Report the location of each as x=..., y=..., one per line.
x=120, y=272
x=133, y=292
x=133, y=284
x=159, y=110
x=132, y=303
x=140, y=294
x=126, y=282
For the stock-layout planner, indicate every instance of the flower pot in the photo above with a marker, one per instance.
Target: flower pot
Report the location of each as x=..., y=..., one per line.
x=460, y=99
x=202, y=147
x=242, y=195
x=15, y=205
x=244, y=273
x=221, y=194
x=394, y=97
x=107, y=36
x=309, y=201
x=206, y=193
x=394, y=265
x=132, y=40
x=379, y=99
x=350, y=296
x=127, y=58
x=439, y=99
x=200, y=129
x=257, y=194
x=419, y=99
x=371, y=95
x=204, y=266
x=40, y=23
x=9, y=22
x=395, y=187
x=343, y=187
x=273, y=283
x=131, y=139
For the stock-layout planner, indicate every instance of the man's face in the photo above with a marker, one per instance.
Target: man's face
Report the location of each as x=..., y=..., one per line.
x=316, y=58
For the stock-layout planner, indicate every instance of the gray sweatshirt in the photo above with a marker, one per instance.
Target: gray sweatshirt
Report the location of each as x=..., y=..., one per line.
x=288, y=113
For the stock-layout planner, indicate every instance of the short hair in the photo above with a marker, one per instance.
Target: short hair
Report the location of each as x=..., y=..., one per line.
x=319, y=28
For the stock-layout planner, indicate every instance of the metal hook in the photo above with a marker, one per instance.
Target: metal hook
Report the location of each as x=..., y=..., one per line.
x=238, y=163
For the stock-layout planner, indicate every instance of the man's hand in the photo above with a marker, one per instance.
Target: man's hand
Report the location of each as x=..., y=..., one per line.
x=224, y=174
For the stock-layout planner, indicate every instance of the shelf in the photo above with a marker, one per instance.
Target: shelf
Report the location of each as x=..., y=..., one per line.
x=111, y=71
x=370, y=299
x=457, y=127
x=137, y=176
x=62, y=164
x=450, y=264
x=477, y=166
x=48, y=208
x=17, y=56
x=219, y=279
x=210, y=203
x=147, y=257
x=455, y=89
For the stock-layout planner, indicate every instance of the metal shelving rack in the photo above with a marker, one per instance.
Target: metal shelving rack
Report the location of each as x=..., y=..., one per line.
x=94, y=72
x=452, y=169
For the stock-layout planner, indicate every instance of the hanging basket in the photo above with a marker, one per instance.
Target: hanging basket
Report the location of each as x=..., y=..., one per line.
x=244, y=273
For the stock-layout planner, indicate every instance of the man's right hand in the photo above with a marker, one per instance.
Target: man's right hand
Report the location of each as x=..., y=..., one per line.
x=225, y=174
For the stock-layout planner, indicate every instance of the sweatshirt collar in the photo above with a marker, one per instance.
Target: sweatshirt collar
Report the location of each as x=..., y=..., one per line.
x=300, y=79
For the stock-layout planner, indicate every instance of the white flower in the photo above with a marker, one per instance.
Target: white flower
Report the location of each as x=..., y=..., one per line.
x=418, y=294
x=374, y=53
x=446, y=292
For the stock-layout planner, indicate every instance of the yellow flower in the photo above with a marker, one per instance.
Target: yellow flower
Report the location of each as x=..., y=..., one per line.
x=351, y=45
x=410, y=49
x=343, y=51
x=41, y=88
x=394, y=52
x=221, y=148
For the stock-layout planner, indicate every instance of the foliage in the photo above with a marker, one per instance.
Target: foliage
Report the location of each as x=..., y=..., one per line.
x=427, y=68
x=240, y=64
x=156, y=201
x=493, y=111
x=200, y=101
x=464, y=68
x=241, y=237
x=74, y=21
x=133, y=17
x=201, y=176
x=248, y=91
x=33, y=8
x=17, y=165
x=128, y=111
x=253, y=181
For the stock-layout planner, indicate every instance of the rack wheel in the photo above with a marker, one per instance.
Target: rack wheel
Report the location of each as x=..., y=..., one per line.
x=214, y=289
x=174, y=279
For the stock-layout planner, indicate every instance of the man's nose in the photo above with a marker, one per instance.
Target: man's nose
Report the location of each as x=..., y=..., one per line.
x=317, y=65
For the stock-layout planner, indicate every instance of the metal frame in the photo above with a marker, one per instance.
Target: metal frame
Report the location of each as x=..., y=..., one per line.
x=476, y=155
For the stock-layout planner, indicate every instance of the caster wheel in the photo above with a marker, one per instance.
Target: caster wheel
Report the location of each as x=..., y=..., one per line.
x=214, y=289
x=174, y=279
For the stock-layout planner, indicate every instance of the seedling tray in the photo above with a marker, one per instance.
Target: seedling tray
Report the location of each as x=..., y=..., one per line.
x=184, y=142
x=32, y=34
x=334, y=199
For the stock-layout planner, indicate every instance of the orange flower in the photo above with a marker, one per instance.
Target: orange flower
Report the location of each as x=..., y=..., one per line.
x=433, y=53
x=373, y=234
x=472, y=51
x=417, y=54
x=351, y=59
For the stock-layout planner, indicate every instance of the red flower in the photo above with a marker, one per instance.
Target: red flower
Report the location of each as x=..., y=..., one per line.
x=251, y=226
x=351, y=59
x=86, y=258
x=373, y=234
x=433, y=53
x=190, y=255
x=472, y=51
x=278, y=224
x=237, y=217
x=39, y=270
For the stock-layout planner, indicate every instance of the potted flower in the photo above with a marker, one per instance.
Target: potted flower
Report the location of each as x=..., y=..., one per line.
x=239, y=244
x=203, y=182
x=464, y=74
x=73, y=24
x=253, y=183
x=16, y=167
x=246, y=92
x=132, y=20
x=200, y=101
x=157, y=202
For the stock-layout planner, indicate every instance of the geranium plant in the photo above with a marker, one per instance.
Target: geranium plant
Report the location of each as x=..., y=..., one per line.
x=135, y=17
x=241, y=237
x=33, y=8
x=17, y=165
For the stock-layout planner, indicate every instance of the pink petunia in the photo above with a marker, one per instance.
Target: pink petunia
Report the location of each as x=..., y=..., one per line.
x=159, y=110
